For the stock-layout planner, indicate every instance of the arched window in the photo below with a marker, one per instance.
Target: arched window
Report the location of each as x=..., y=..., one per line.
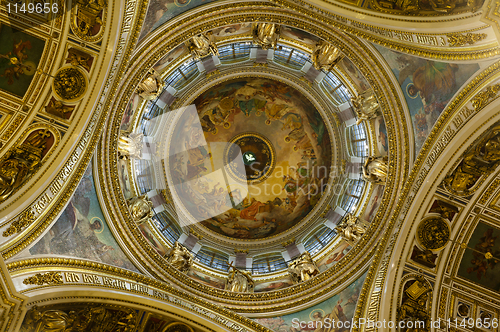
x=182, y=75
x=358, y=140
x=212, y=259
x=235, y=52
x=320, y=240
x=336, y=89
x=166, y=226
x=352, y=194
x=290, y=57
x=144, y=175
x=268, y=264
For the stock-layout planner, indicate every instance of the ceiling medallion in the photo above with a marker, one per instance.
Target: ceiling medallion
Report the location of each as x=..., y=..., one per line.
x=257, y=154
x=433, y=233
x=70, y=84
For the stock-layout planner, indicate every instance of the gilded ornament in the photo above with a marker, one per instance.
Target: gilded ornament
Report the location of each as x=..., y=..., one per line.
x=302, y=268
x=141, y=208
x=325, y=56
x=26, y=219
x=239, y=281
x=91, y=318
x=351, y=229
x=195, y=234
x=376, y=169
x=483, y=98
x=414, y=303
x=462, y=40
x=366, y=106
x=477, y=162
x=78, y=58
x=89, y=15
x=151, y=86
x=130, y=145
x=45, y=278
x=22, y=161
x=70, y=84
x=433, y=233
x=443, y=6
x=202, y=45
x=178, y=327
x=179, y=257
x=57, y=108
x=289, y=242
x=266, y=35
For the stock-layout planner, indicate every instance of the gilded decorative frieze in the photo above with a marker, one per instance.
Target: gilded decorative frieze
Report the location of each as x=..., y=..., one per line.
x=465, y=39
x=40, y=279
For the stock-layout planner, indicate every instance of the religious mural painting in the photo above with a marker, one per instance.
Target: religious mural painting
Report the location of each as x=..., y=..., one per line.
x=481, y=260
x=232, y=30
x=427, y=86
x=207, y=279
x=381, y=134
x=299, y=35
x=359, y=81
x=340, y=307
x=160, y=11
x=170, y=57
x=373, y=203
x=265, y=120
x=270, y=286
x=333, y=257
x=82, y=231
x=20, y=54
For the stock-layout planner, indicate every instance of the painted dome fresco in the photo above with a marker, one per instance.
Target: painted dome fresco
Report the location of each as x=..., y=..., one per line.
x=274, y=149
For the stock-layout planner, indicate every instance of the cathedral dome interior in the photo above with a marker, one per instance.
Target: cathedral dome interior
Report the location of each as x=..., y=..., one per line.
x=277, y=165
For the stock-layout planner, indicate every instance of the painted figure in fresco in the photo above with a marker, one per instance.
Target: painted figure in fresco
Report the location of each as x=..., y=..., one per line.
x=350, y=229
x=266, y=35
x=239, y=281
x=336, y=315
x=375, y=169
x=480, y=264
x=325, y=56
x=179, y=257
x=303, y=268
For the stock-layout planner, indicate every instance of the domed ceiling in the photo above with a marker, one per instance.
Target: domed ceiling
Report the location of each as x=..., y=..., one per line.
x=275, y=150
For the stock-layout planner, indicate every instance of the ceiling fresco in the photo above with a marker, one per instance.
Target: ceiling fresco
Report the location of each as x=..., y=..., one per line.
x=271, y=123
x=428, y=86
x=82, y=231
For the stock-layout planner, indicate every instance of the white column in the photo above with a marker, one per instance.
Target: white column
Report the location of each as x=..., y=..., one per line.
x=320, y=77
x=253, y=53
x=270, y=54
x=306, y=67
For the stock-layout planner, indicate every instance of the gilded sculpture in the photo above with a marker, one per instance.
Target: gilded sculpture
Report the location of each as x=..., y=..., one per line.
x=202, y=45
x=92, y=318
x=89, y=14
x=302, y=268
x=375, y=169
x=151, y=87
x=179, y=257
x=21, y=161
x=239, y=281
x=478, y=161
x=140, y=207
x=266, y=35
x=366, y=106
x=130, y=145
x=350, y=229
x=325, y=56
x=414, y=303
